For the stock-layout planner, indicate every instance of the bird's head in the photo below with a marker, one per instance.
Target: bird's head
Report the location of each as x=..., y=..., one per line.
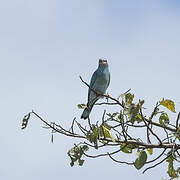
x=102, y=62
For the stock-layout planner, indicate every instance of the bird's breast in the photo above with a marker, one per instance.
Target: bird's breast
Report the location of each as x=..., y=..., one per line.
x=101, y=82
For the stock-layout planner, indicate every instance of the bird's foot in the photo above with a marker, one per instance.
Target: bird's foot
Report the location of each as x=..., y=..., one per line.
x=107, y=96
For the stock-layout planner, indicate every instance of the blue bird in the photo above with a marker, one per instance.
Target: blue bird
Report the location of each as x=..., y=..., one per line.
x=99, y=82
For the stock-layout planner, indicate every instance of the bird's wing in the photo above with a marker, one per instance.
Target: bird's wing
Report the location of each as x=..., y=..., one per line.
x=92, y=83
x=93, y=78
x=109, y=78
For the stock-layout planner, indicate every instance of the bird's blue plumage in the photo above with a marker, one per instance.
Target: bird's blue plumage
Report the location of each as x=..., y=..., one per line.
x=99, y=82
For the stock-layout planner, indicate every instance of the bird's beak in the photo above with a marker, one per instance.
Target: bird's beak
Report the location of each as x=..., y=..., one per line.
x=103, y=62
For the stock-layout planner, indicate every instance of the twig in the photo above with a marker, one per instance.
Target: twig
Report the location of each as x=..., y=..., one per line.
x=84, y=131
x=104, y=95
x=103, y=116
x=95, y=146
x=178, y=153
x=154, y=111
x=156, y=164
x=159, y=125
x=58, y=130
x=156, y=157
x=122, y=162
x=166, y=135
x=101, y=155
x=127, y=91
x=150, y=120
x=144, y=145
x=177, y=121
x=103, y=124
x=72, y=126
x=104, y=103
x=150, y=128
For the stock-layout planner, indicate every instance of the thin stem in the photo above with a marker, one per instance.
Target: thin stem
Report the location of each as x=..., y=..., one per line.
x=150, y=129
x=104, y=95
x=121, y=162
x=177, y=121
x=157, y=157
x=156, y=164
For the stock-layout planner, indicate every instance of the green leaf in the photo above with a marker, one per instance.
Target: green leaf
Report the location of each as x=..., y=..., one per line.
x=81, y=106
x=150, y=150
x=112, y=115
x=164, y=119
x=139, y=116
x=84, y=148
x=105, y=132
x=171, y=171
x=129, y=98
x=25, y=121
x=121, y=117
x=126, y=148
x=76, y=153
x=107, y=126
x=132, y=111
x=141, y=160
x=168, y=104
x=93, y=135
x=80, y=162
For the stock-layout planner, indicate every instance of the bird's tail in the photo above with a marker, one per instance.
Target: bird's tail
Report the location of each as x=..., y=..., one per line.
x=85, y=113
x=87, y=110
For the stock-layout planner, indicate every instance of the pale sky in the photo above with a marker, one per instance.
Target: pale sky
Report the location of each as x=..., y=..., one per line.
x=46, y=44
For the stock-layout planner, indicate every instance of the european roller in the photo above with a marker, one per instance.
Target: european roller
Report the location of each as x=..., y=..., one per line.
x=99, y=82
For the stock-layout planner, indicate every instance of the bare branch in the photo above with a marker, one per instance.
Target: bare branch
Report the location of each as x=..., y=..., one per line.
x=177, y=121
x=156, y=157
x=72, y=126
x=156, y=164
x=107, y=96
x=150, y=128
x=121, y=162
x=100, y=155
x=105, y=103
x=58, y=130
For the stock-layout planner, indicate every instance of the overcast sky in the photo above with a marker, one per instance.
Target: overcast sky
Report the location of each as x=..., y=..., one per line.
x=46, y=44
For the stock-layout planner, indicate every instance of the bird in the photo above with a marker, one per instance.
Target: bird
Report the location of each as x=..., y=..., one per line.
x=99, y=83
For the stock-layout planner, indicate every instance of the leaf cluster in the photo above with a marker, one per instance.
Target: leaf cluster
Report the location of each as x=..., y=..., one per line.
x=76, y=153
